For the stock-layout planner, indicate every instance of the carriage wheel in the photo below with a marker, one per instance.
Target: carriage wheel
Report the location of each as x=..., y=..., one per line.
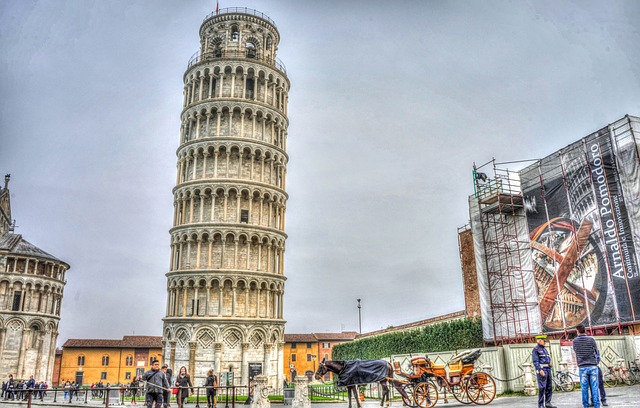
x=408, y=400
x=425, y=395
x=481, y=388
x=459, y=392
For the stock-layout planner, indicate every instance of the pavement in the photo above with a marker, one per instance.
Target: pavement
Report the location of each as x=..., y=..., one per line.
x=617, y=397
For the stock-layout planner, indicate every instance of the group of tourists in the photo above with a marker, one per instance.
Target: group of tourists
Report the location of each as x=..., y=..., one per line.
x=158, y=385
x=19, y=390
x=587, y=357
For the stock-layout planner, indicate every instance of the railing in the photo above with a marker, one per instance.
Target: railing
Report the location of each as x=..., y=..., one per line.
x=241, y=10
x=226, y=397
x=247, y=53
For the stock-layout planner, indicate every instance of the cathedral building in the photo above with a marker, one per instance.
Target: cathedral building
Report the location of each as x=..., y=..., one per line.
x=226, y=278
x=31, y=288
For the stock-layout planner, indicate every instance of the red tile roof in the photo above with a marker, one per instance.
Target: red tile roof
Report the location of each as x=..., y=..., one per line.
x=299, y=338
x=344, y=336
x=126, y=342
x=315, y=337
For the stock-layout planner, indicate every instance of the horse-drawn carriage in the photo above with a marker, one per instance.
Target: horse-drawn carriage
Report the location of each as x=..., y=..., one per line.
x=422, y=386
x=457, y=377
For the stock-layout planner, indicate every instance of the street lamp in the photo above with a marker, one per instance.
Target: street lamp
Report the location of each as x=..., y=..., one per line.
x=359, y=317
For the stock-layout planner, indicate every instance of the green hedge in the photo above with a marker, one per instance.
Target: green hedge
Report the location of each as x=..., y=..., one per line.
x=455, y=335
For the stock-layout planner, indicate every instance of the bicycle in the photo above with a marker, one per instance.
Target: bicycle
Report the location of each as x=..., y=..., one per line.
x=562, y=381
x=634, y=371
x=617, y=374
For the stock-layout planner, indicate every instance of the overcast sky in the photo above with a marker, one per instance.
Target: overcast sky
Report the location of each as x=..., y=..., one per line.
x=391, y=103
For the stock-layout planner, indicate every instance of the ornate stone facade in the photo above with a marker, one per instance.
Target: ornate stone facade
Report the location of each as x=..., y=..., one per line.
x=226, y=278
x=31, y=289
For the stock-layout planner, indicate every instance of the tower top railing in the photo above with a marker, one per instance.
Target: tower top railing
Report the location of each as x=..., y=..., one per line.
x=230, y=54
x=241, y=10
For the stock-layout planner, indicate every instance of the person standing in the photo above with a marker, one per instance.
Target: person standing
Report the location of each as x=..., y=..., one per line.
x=542, y=363
x=156, y=381
x=133, y=388
x=211, y=383
x=166, y=394
x=10, y=385
x=587, y=353
x=31, y=386
x=183, y=382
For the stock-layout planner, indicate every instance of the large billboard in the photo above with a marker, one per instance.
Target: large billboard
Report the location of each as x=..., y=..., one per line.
x=581, y=213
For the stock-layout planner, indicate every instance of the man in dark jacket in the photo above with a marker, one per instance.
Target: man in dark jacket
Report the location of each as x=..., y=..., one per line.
x=166, y=395
x=156, y=382
x=587, y=357
x=542, y=363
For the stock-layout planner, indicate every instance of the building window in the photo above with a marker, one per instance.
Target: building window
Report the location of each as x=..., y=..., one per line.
x=326, y=356
x=235, y=35
x=244, y=216
x=16, y=300
x=308, y=345
x=105, y=360
x=293, y=345
x=103, y=375
x=308, y=357
x=326, y=345
x=80, y=360
x=293, y=358
x=128, y=361
x=127, y=375
x=251, y=50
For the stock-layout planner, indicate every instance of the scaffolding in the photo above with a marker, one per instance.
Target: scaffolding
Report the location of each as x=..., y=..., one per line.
x=509, y=298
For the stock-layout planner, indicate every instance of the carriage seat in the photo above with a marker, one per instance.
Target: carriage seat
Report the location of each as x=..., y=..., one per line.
x=398, y=370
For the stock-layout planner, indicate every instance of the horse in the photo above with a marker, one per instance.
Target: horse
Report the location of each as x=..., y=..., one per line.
x=358, y=372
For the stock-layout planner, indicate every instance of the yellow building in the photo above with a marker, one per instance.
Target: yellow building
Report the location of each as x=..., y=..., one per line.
x=302, y=352
x=89, y=361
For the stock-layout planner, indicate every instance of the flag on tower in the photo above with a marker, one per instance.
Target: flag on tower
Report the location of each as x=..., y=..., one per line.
x=217, y=7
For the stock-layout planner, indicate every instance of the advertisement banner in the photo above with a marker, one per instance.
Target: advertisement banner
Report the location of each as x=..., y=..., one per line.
x=583, y=253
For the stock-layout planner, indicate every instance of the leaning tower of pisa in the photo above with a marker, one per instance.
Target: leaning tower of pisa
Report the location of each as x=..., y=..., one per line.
x=226, y=279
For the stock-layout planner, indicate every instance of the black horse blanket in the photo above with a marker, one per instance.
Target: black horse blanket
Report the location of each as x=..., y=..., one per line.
x=357, y=372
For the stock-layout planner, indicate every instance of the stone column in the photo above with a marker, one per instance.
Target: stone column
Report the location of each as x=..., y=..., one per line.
x=192, y=357
x=24, y=340
x=52, y=356
x=242, y=113
x=261, y=392
x=244, y=369
x=39, y=347
x=233, y=84
x=172, y=353
x=301, y=398
x=530, y=386
x=268, y=348
x=217, y=357
x=3, y=331
x=195, y=165
x=244, y=85
x=204, y=165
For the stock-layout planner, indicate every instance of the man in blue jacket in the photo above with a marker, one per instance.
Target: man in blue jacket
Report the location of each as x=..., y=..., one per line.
x=542, y=363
